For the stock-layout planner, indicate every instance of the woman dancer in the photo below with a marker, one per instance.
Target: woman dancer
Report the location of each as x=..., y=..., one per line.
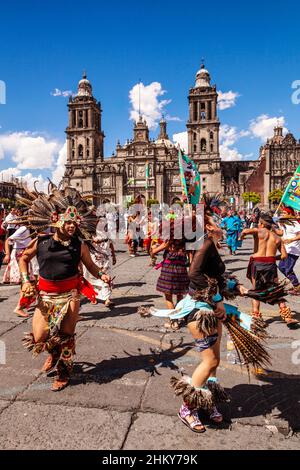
x=60, y=282
x=173, y=279
x=204, y=312
x=206, y=266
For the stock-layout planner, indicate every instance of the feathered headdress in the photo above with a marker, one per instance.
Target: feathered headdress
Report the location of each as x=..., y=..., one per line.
x=213, y=203
x=57, y=207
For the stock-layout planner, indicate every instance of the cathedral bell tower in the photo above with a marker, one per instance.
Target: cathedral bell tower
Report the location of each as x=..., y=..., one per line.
x=203, y=131
x=84, y=139
x=141, y=131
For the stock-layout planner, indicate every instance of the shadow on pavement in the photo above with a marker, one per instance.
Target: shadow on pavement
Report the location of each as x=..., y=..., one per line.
x=279, y=397
x=129, y=284
x=234, y=270
x=108, y=313
x=233, y=260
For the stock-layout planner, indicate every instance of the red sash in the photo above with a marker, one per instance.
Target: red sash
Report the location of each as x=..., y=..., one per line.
x=59, y=287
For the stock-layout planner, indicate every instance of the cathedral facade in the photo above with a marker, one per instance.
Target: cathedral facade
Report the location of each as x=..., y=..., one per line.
x=278, y=160
x=149, y=168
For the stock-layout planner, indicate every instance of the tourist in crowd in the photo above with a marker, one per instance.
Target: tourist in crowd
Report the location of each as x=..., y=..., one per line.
x=103, y=256
x=9, y=223
x=19, y=241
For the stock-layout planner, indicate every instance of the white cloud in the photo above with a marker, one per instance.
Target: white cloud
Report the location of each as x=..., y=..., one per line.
x=58, y=92
x=29, y=179
x=28, y=150
x=182, y=139
x=9, y=173
x=58, y=173
x=41, y=183
x=227, y=100
x=229, y=135
x=263, y=126
x=32, y=152
x=146, y=98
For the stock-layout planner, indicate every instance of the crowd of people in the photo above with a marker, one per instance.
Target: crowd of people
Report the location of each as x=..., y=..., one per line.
x=59, y=247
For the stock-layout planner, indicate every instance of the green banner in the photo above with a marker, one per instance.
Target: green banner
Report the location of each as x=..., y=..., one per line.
x=190, y=179
x=291, y=197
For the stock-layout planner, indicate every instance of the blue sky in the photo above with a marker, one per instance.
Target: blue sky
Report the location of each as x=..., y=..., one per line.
x=251, y=49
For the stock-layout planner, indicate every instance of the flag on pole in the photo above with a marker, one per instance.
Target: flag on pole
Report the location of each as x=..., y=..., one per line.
x=190, y=179
x=147, y=174
x=291, y=196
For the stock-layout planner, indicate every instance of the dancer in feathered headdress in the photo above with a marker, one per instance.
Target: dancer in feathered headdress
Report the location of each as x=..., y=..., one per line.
x=204, y=312
x=60, y=283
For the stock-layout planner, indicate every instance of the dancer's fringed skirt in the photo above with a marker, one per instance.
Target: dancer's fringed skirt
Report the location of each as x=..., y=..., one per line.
x=54, y=308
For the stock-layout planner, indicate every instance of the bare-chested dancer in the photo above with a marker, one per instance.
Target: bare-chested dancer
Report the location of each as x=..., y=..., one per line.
x=262, y=269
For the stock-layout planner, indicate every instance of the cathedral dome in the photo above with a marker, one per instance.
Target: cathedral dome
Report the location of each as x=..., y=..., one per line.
x=202, y=77
x=165, y=142
x=84, y=87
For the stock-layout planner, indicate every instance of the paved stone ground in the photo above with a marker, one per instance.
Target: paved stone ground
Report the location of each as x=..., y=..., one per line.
x=119, y=397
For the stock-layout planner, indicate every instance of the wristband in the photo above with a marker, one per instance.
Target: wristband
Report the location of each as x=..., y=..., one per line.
x=24, y=278
x=217, y=298
x=100, y=274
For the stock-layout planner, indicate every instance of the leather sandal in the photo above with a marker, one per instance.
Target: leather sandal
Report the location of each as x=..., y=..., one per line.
x=256, y=315
x=185, y=412
x=50, y=363
x=60, y=384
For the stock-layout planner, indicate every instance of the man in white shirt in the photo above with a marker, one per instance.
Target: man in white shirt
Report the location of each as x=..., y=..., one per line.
x=291, y=239
x=7, y=225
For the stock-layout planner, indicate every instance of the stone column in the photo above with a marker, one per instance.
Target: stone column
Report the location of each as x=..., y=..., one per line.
x=190, y=142
x=160, y=187
x=191, y=111
x=213, y=110
x=119, y=189
x=69, y=149
x=92, y=149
